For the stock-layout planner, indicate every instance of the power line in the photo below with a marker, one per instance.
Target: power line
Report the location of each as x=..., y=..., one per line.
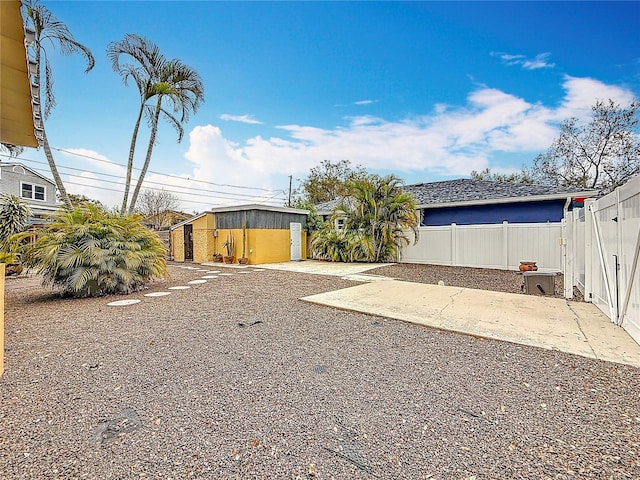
x=159, y=173
x=241, y=195
x=170, y=191
x=206, y=193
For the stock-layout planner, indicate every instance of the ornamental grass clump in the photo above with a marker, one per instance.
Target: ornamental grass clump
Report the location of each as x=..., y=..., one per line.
x=88, y=252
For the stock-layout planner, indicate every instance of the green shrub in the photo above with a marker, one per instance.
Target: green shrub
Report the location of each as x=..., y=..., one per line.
x=89, y=252
x=14, y=213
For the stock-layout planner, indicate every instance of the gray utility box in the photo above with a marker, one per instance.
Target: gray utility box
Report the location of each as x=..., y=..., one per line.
x=540, y=283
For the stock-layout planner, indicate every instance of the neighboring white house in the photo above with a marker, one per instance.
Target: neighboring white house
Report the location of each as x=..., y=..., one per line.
x=35, y=188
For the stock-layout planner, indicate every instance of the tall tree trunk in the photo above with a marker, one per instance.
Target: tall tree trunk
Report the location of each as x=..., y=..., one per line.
x=147, y=160
x=45, y=142
x=132, y=149
x=54, y=171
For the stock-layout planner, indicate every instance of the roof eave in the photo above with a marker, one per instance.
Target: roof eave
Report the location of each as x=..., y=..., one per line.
x=241, y=208
x=29, y=169
x=16, y=111
x=259, y=207
x=495, y=201
x=188, y=220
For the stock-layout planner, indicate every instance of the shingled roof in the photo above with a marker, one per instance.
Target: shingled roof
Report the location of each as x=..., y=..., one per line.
x=484, y=191
x=465, y=191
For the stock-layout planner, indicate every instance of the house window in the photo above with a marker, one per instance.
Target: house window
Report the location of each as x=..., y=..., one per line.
x=339, y=223
x=32, y=192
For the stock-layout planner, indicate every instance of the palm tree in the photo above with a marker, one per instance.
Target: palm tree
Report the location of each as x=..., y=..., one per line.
x=47, y=27
x=155, y=76
x=182, y=87
x=147, y=63
x=11, y=150
x=377, y=213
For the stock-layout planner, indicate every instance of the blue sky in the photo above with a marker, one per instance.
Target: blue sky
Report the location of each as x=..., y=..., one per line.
x=426, y=90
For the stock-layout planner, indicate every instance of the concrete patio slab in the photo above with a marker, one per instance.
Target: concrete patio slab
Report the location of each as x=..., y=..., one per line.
x=551, y=323
x=316, y=267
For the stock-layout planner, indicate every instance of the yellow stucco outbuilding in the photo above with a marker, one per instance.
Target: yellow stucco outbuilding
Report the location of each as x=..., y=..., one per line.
x=260, y=233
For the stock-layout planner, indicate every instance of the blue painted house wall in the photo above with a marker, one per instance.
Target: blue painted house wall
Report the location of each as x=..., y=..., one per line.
x=525, y=212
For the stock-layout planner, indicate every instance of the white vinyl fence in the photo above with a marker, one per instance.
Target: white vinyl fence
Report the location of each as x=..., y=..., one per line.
x=602, y=250
x=501, y=246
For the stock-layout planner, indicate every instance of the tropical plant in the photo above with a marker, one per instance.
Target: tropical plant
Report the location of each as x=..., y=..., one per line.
x=147, y=63
x=14, y=213
x=50, y=31
x=244, y=236
x=77, y=200
x=89, y=252
x=182, y=87
x=229, y=244
x=155, y=76
x=11, y=150
x=330, y=244
x=376, y=217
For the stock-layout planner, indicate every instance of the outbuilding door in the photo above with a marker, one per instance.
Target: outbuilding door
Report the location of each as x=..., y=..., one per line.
x=295, y=232
x=188, y=242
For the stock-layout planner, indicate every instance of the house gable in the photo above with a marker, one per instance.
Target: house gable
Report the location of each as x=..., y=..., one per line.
x=36, y=189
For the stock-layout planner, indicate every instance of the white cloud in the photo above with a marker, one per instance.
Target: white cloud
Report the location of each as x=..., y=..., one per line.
x=582, y=93
x=539, y=61
x=95, y=175
x=450, y=141
x=357, y=103
x=240, y=118
x=222, y=162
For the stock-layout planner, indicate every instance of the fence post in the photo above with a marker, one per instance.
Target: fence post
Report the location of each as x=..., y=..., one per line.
x=505, y=244
x=454, y=248
x=568, y=247
x=588, y=251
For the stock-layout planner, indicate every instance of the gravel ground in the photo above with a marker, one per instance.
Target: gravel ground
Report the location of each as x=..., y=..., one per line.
x=482, y=279
x=188, y=386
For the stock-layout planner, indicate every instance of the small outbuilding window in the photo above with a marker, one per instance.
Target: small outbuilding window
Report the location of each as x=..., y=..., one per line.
x=32, y=192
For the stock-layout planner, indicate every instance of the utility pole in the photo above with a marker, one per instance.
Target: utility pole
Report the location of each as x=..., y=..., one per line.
x=290, y=182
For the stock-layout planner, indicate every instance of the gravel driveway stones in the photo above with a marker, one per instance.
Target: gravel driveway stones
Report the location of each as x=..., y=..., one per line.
x=181, y=390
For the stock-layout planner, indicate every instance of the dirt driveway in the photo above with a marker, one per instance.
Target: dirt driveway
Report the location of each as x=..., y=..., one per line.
x=237, y=378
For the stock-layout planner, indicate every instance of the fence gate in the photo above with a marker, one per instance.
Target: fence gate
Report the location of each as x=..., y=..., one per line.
x=602, y=254
x=629, y=224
